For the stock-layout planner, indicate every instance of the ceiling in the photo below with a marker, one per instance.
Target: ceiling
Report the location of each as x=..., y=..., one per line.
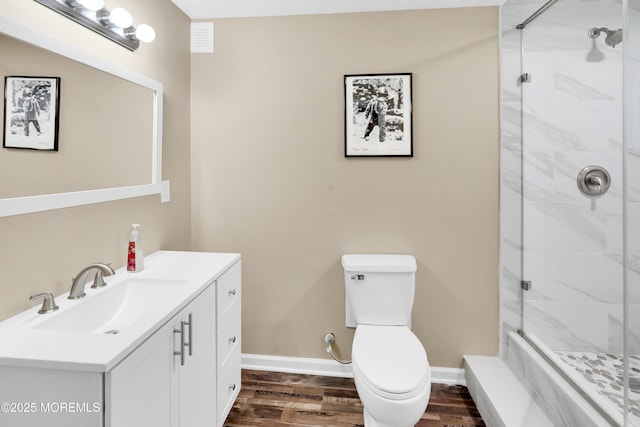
x=209, y=9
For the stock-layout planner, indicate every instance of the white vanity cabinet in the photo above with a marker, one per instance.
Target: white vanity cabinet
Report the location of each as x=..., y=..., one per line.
x=152, y=386
x=181, y=370
x=167, y=381
x=228, y=341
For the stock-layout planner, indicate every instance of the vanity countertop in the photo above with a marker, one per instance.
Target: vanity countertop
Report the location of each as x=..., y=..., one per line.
x=27, y=342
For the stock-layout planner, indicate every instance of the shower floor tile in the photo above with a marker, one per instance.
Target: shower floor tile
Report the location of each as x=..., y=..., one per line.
x=605, y=372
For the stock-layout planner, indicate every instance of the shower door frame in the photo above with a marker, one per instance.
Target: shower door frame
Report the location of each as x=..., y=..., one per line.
x=526, y=285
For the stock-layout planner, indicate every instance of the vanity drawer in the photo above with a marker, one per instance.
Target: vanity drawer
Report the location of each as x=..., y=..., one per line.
x=228, y=290
x=228, y=385
x=229, y=333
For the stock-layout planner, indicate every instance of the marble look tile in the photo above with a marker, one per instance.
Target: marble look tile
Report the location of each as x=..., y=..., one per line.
x=560, y=399
x=564, y=276
x=633, y=210
x=576, y=79
x=544, y=128
x=565, y=76
x=561, y=126
x=634, y=329
x=633, y=38
x=616, y=330
x=633, y=174
x=511, y=127
x=501, y=398
x=511, y=264
x=511, y=168
x=615, y=334
x=569, y=326
x=562, y=403
x=511, y=225
x=633, y=271
x=510, y=323
x=510, y=72
x=517, y=361
x=538, y=172
x=573, y=227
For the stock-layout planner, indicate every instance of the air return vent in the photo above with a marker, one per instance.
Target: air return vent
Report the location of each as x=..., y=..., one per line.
x=202, y=37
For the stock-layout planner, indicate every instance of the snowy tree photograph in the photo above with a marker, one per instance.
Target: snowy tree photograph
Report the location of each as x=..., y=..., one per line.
x=378, y=115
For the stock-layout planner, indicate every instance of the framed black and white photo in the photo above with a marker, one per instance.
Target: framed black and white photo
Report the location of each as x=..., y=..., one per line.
x=31, y=113
x=378, y=115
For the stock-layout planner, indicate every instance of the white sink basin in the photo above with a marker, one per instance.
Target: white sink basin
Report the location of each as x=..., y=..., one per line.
x=116, y=307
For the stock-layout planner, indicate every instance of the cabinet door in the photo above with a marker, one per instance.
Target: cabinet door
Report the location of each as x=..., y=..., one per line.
x=152, y=387
x=141, y=390
x=197, y=402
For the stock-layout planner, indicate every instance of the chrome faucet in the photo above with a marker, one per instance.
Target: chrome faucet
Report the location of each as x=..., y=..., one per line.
x=48, y=302
x=77, y=289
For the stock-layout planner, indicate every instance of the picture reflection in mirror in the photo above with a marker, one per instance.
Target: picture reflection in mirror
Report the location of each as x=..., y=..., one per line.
x=105, y=131
x=31, y=112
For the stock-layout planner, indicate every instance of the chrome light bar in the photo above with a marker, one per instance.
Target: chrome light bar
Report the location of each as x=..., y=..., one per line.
x=97, y=21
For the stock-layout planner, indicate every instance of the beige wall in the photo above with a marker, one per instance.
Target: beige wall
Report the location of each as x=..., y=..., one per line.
x=269, y=178
x=41, y=252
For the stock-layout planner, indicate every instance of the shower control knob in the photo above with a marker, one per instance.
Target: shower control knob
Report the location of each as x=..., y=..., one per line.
x=594, y=180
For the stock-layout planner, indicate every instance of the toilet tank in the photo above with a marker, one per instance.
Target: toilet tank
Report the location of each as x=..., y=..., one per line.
x=379, y=289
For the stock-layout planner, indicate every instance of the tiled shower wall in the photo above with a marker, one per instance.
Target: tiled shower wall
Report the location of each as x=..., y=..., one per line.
x=571, y=117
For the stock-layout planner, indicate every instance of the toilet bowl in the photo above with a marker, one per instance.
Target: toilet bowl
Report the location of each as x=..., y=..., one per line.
x=390, y=366
x=392, y=375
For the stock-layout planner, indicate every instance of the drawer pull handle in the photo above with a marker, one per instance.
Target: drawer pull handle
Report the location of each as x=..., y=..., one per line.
x=183, y=339
x=232, y=340
x=232, y=387
x=232, y=292
x=190, y=343
x=180, y=331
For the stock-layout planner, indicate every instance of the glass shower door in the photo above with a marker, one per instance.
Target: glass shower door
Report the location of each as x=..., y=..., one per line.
x=631, y=86
x=572, y=242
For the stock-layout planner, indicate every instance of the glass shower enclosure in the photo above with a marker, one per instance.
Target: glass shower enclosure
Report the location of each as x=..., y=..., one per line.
x=573, y=142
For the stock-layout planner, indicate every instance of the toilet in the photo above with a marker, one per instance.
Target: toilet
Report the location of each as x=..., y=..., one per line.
x=390, y=366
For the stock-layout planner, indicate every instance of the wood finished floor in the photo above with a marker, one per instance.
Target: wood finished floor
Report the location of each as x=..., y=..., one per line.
x=280, y=399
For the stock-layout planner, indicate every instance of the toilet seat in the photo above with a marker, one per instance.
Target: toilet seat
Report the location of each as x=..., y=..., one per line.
x=390, y=361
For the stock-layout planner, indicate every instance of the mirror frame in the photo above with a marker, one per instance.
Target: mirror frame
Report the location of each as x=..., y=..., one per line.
x=45, y=202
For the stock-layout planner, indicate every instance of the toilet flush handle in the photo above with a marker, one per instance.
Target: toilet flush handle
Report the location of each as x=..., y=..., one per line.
x=357, y=277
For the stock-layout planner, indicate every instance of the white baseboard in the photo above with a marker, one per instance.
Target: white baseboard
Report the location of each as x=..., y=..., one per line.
x=331, y=368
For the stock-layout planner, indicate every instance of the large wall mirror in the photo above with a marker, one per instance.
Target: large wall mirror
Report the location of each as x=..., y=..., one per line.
x=109, y=131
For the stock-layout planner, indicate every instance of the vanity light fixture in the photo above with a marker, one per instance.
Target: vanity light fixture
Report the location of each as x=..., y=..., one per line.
x=87, y=4
x=116, y=24
x=119, y=17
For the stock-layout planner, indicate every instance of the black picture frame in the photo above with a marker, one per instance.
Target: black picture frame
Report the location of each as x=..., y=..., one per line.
x=378, y=115
x=31, y=112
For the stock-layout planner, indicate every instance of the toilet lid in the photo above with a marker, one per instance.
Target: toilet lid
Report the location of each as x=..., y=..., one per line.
x=390, y=358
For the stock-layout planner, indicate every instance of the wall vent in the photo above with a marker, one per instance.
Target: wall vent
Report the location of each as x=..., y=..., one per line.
x=202, y=37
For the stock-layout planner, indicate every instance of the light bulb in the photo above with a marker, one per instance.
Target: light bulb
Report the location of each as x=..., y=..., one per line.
x=145, y=33
x=121, y=17
x=92, y=4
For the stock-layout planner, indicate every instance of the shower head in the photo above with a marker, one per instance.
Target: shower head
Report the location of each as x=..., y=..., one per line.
x=613, y=38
